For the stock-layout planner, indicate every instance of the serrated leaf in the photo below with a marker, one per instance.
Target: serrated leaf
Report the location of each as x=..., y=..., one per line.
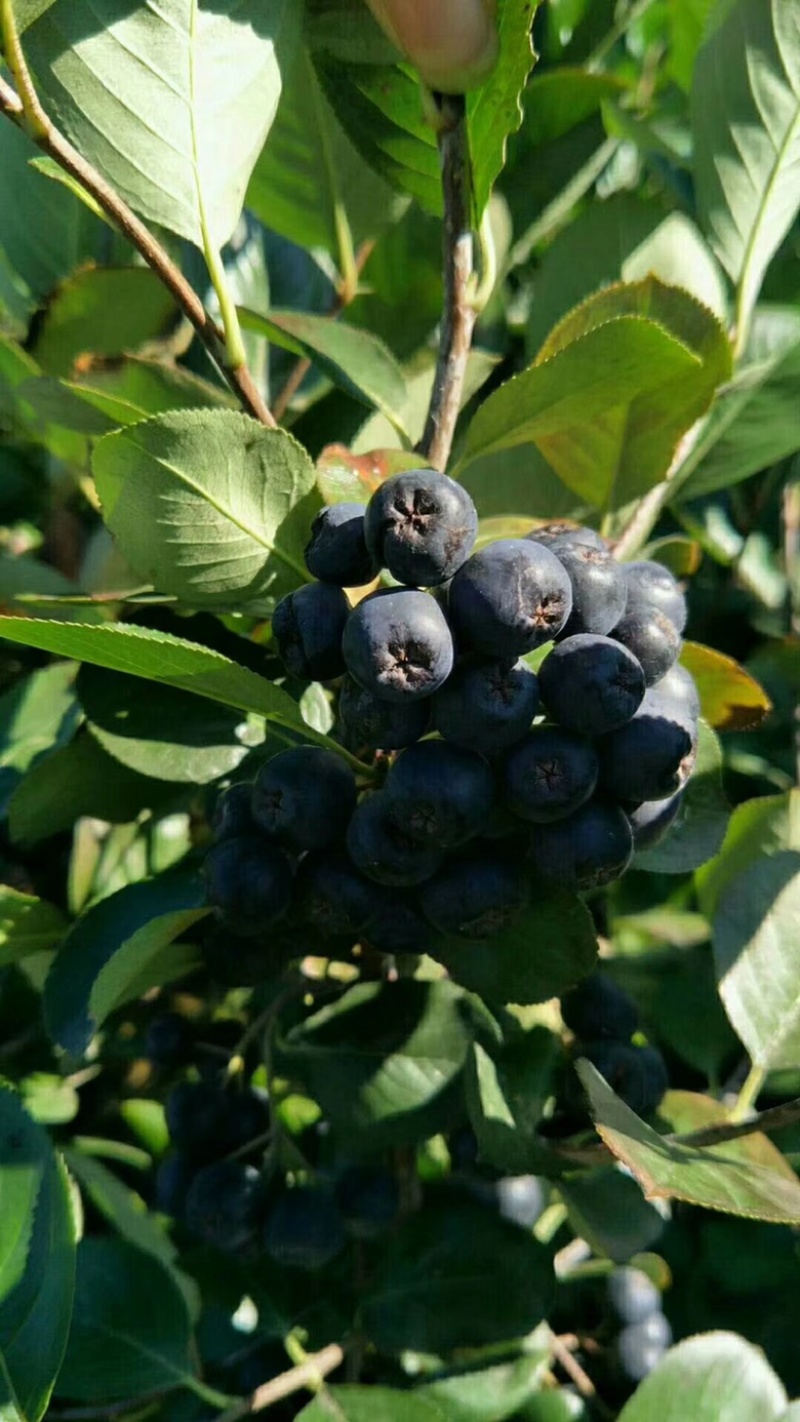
x=574, y=393
x=759, y=828
x=27, y=925
x=698, y=832
x=755, y=935
x=494, y=109
x=546, y=951
x=210, y=72
x=158, y=656
x=166, y=734
x=37, y=715
x=507, y=1090
x=746, y=126
x=208, y=505
x=383, y=1058
x=731, y=698
x=102, y=311
x=115, y=948
x=714, y=1377
x=130, y=1331
x=355, y=360
x=688, y=1111
x=714, y=1177
x=440, y=1266
x=134, y=388
x=309, y=178
x=37, y=1259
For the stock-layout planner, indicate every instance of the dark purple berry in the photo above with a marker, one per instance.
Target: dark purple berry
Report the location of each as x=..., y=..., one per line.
x=598, y=1008
x=652, y=638
x=486, y=705
x=307, y=626
x=304, y=797
x=249, y=883
x=421, y=526
x=549, y=774
x=383, y=851
x=475, y=896
x=599, y=590
x=591, y=684
x=652, y=585
x=653, y=819
x=370, y=723
x=397, y=645
x=509, y=598
x=439, y=794
x=337, y=550
x=652, y=756
x=590, y=849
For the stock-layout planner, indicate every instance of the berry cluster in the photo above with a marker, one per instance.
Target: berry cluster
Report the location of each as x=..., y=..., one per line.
x=645, y=1333
x=502, y=777
x=603, y=1019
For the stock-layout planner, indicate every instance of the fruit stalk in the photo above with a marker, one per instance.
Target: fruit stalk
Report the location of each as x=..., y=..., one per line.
x=458, y=313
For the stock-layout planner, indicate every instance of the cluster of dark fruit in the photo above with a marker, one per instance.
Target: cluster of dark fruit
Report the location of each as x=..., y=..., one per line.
x=645, y=1333
x=604, y=1019
x=214, y=1182
x=571, y=794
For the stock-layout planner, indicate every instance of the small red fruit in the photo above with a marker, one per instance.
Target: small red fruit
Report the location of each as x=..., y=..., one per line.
x=453, y=43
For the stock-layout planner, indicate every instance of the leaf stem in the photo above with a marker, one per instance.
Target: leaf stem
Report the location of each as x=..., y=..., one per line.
x=458, y=314
x=746, y=1100
x=234, y=345
x=27, y=113
x=309, y=1373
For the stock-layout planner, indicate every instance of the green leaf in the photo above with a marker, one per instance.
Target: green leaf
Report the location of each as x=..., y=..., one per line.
x=27, y=925
x=494, y=110
x=347, y=477
x=26, y=11
x=350, y=1403
x=521, y=479
x=489, y=1394
x=25, y=582
x=115, y=947
x=507, y=1090
x=130, y=1331
x=309, y=179
x=355, y=360
x=37, y=1260
x=381, y=1061
x=133, y=388
x=560, y=99
x=715, y=1377
x=731, y=698
x=678, y=254
x=438, y=1271
x=208, y=505
x=158, y=656
x=584, y=392
x=212, y=76
x=49, y=1099
x=698, y=832
x=607, y=1209
x=166, y=734
x=37, y=716
x=757, y=829
x=102, y=311
x=755, y=950
x=687, y=1111
x=714, y=1177
x=549, y=949
x=746, y=126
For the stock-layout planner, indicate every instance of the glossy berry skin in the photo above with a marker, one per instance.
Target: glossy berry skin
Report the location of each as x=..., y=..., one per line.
x=591, y=848
x=549, y=774
x=225, y=1206
x=652, y=756
x=369, y=723
x=599, y=590
x=307, y=626
x=652, y=638
x=486, y=705
x=653, y=819
x=397, y=645
x=520, y=1199
x=632, y=1295
x=641, y=1346
x=337, y=549
x=195, y=1117
x=304, y=797
x=333, y=897
x=385, y=852
x=304, y=1229
x=368, y=1198
x=475, y=896
x=509, y=598
x=680, y=687
x=421, y=526
x=650, y=584
x=439, y=794
x=249, y=883
x=598, y=1008
x=169, y=1039
x=232, y=812
x=636, y=1074
x=562, y=535
x=591, y=684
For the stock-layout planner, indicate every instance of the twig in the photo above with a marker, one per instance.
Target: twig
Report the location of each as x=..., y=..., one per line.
x=32, y=119
x=458, y=315
x=645, y=516
x=773, y=1119
x=309, y=1374
x=791, y=560
x=561, y=1352
x=346, y=293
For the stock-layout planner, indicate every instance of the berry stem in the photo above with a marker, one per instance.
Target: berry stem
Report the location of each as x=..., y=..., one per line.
x=458, y=313
x=26, y=111
x=310, y=1374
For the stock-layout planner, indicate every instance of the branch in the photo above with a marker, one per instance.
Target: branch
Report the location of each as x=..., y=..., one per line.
x=308, y=1374
x=772, y=1119
x=32, y=119
x=458, y=316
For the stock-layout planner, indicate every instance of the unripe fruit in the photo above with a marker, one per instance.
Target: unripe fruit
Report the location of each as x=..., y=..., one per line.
x=453, y=43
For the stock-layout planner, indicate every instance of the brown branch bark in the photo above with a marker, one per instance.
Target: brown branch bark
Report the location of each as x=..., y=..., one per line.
x=458, y=314
x=306, y=1375
x=52, y=142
